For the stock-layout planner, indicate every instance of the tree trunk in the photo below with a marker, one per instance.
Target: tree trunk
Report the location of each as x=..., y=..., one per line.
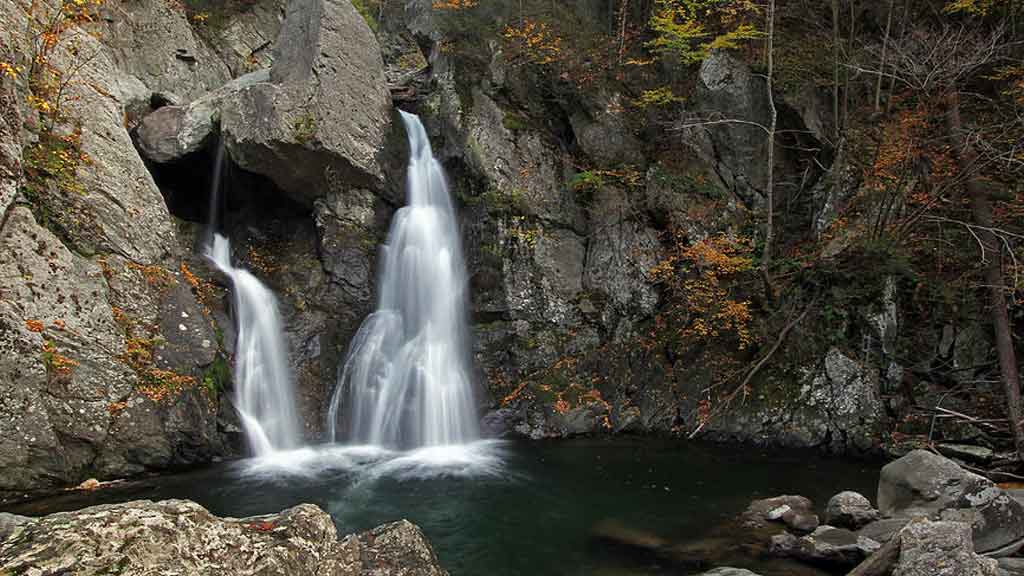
x=981, y=207
x=885, y=48
x=770, y=188
x=835, y=69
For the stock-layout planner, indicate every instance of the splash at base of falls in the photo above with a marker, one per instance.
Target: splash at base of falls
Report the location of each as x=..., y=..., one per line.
x=263, y=385
x=406, y=380
x=480, y=459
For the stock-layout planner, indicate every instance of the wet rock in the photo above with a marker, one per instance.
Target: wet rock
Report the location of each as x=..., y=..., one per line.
x=926, y=484
x=9, y=523
x=827, y=545
x=321, y=121
x=881, y=561
x=849, y=510
x=940, y=549
x=761, y=512
x=726, y=571
x=181, y=537
x=1011, y=566
x=883, y=530
x=966, y=452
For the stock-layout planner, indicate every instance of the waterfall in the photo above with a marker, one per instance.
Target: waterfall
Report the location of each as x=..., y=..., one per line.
x=264, y=395
x=406, y=379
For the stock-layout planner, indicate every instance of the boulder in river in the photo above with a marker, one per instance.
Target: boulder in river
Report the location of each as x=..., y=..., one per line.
x=928, y=485
x=941, y=549
x=827, y=546
x=796, y=512
x=182, y=537
x=849, y=509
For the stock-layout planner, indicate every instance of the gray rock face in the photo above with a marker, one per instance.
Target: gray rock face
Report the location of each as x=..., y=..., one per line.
x=837, y=408
x=726, y=571
x=85, y=260
x=601, y=132
x=325, y=113
x=154, y=42
x=926, y=484
x=728, y=90
x=244, y=40
x=849, y=510
x=10, y=144
x=181, y=537
x=940, y=549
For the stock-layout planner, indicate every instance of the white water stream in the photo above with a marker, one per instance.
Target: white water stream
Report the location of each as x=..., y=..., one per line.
x=264, y=393
x=406, y=380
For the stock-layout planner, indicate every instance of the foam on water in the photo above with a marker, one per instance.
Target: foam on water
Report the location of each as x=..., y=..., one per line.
x=483, y=458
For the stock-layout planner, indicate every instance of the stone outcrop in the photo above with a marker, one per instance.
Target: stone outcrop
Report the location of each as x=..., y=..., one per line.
x=931, y=486
x=321, y=121
x=728, y=90
x=181, y=537
x=837, y=408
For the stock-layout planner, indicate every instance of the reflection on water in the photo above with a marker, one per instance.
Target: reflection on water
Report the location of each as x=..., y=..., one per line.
x=511, y=508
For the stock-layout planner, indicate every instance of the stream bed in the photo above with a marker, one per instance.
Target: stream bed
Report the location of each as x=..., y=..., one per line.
x=515, y=508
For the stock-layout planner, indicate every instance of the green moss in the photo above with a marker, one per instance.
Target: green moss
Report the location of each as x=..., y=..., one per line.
x=367, y=9
x=514, y=122
x=217, y=377
x=304, y=128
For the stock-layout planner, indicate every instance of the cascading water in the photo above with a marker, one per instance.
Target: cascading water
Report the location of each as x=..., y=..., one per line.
x=406, y=380
x=264, y=395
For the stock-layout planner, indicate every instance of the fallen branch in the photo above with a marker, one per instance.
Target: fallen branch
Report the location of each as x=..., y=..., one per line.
x=757, y=367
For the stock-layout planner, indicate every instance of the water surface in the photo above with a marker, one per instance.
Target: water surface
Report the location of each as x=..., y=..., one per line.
x=511, y=508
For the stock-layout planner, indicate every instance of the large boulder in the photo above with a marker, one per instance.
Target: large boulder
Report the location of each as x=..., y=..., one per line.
x=321, y=121
x=181, y=537
x=940, y=549
x=796, y=512
x=849, y=509
x=926, y=484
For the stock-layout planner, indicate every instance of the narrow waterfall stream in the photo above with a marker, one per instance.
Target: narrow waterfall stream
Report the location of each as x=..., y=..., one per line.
x=264, y=394
x=406, y=381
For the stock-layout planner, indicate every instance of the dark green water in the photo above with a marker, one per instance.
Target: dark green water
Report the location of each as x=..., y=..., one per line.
x=517, y=508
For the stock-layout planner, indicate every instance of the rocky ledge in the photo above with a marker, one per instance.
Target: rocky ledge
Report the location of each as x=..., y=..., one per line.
x=182, y=537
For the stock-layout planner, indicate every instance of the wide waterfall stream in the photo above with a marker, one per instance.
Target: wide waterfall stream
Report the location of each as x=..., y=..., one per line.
x=406, y=380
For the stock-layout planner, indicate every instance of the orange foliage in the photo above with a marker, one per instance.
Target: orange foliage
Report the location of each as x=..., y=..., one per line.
x=534, y=42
